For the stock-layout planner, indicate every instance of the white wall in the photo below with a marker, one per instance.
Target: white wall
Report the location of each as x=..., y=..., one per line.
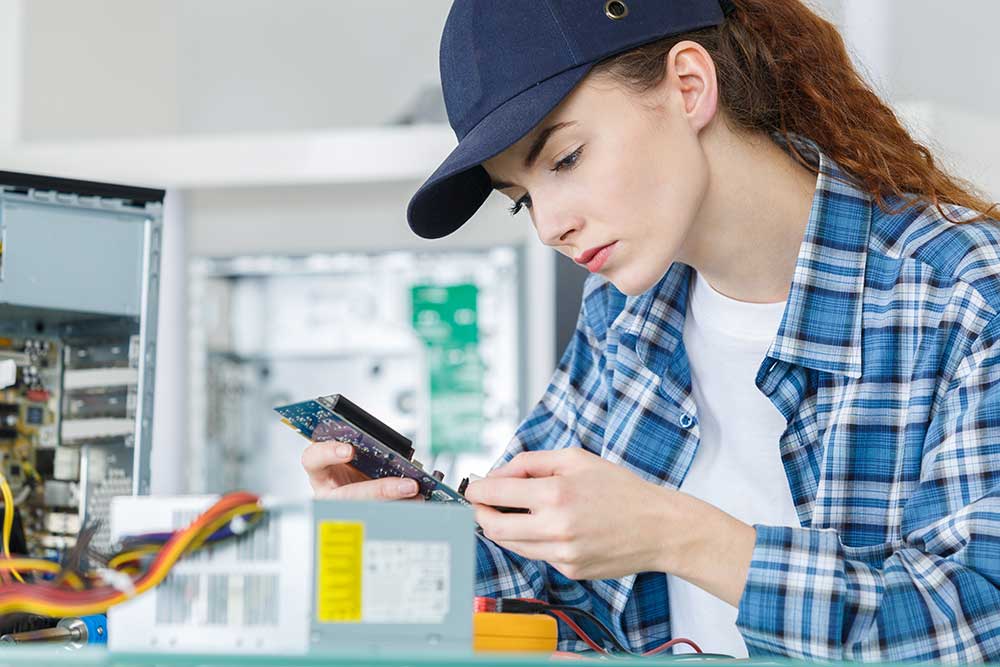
x=99, y=68
x=946, y=52
x=128, y=68
x=263, y=65
x=11, y=29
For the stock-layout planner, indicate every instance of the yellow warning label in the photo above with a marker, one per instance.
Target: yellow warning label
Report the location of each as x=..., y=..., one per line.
x=338, y=571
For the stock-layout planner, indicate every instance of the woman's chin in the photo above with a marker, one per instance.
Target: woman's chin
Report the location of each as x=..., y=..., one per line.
x=631, y=284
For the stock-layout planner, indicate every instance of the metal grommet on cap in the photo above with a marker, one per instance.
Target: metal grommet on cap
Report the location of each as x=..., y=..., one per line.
x=615, y=9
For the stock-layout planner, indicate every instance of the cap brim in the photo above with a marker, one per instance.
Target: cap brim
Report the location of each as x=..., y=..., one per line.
x=458, y=188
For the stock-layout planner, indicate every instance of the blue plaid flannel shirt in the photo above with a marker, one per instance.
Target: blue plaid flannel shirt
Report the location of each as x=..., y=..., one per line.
x=886, y=366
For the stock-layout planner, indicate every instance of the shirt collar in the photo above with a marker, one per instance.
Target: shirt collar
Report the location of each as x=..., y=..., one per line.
x=821, y=325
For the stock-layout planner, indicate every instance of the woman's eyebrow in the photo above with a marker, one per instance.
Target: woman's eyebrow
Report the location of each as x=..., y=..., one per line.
x=539, y=144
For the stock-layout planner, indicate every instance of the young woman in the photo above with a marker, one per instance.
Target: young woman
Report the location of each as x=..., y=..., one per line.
x=777, y=428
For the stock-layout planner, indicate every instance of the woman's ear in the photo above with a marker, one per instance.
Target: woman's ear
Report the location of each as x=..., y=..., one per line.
x=691, y=74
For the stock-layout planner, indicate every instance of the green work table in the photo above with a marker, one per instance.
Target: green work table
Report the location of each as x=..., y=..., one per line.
x=99, y=657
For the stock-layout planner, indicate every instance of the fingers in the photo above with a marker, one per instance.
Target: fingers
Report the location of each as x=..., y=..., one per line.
x=501, y=527
x=510, y=492
x=544, y=551
x=544, y=463
x=321, y=455
x=388, y=488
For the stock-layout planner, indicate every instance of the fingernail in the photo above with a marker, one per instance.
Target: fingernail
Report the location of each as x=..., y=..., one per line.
x=407, y=487
x=343, y=451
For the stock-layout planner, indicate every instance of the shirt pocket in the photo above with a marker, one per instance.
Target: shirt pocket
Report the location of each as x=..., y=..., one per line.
x=647, y=431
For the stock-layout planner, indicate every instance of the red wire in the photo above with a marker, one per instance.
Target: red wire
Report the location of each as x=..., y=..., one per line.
x=480, y=604
x=671, y=644
x=578, y=630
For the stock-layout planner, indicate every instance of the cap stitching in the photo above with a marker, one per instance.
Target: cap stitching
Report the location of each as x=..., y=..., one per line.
x=521, y=92
x=572, y=51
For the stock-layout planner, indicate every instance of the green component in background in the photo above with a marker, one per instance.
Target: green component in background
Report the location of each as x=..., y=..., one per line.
x=446, y=319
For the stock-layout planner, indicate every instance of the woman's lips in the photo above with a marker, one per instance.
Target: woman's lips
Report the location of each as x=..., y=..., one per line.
x=595, y=258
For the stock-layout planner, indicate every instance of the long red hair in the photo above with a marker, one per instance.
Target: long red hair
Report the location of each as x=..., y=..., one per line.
x=784, y=69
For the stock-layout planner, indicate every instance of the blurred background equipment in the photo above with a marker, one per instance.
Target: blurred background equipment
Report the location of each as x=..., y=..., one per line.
x=79, y=278
x=429, y=343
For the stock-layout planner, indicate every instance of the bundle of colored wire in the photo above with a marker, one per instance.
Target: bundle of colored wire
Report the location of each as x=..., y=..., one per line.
x=58, y=602
x=564, y=614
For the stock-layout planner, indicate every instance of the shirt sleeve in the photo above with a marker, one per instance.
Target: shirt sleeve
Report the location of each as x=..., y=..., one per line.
x=572, y=413
x=935, y=595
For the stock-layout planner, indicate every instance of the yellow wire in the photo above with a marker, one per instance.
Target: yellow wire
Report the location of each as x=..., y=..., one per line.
x=35, y=564
x=8, y=521
x=126, y=556
x=73, y=580
x=38, y=565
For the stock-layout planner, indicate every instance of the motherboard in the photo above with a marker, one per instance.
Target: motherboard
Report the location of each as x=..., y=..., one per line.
x=59, y=399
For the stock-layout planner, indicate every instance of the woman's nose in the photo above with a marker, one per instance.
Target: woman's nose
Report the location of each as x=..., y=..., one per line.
x=555, y=227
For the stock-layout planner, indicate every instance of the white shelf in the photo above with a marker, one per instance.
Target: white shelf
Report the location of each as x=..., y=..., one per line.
x=355, y=155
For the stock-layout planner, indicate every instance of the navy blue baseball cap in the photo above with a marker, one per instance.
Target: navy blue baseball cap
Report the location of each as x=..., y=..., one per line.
x=506, y=64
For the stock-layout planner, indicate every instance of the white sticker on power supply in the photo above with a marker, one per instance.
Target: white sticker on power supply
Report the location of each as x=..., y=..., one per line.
x=405, y=582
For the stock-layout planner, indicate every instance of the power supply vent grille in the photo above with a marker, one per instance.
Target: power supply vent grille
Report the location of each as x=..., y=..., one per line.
x=218, y=600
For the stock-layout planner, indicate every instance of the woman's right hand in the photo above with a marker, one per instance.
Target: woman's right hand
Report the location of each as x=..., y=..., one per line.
x=330, y=476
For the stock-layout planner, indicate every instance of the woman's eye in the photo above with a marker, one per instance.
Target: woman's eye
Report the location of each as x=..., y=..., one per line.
x=523, y=202
x=569, y=161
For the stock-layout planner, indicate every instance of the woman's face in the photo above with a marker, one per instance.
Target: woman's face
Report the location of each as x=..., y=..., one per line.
x=611, y=178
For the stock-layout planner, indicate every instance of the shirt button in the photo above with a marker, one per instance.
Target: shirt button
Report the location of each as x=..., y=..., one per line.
x=687, y=421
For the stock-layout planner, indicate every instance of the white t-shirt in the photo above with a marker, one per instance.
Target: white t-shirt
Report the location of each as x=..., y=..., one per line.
x=738, y=465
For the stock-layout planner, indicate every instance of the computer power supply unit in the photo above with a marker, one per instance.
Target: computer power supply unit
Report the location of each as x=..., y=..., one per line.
x=79, y=279
x=314, y=577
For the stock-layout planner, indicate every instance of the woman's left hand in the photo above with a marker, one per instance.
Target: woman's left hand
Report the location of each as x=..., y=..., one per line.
x=592, y=519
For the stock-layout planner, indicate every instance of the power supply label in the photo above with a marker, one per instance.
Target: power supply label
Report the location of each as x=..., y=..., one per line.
x=338, y=571
x=406, y=581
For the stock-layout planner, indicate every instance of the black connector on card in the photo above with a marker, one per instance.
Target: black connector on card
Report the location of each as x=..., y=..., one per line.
x=505, y=510
x=372, y=426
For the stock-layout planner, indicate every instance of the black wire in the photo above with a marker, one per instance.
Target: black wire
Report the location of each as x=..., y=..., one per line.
x=596, y=621
x=614, y=639
x=516, y=605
